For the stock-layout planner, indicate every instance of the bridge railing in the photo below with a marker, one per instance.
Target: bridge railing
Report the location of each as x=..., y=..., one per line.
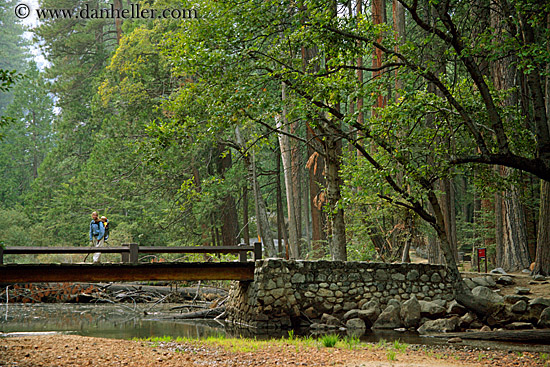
x=130, y=252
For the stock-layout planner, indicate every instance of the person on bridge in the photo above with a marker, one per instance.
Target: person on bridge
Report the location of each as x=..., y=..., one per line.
x=97, y=233
x=106, y=225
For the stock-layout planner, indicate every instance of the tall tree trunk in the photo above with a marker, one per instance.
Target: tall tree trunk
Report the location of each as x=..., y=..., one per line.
x=212, y=231
x=316, y=165
x=478, y=224
x=530, y=191
x=229, y=228
x=262, y=221
x=378, y=8
x=117, y=5
x=246, y=228
x=398, y=13
x=281, y=226
x=515, y=254
x=333, y=152
x=512, y=247
x=359, y=61
x=499, y=229
x=204, y=227
x=286, y=155
x=511, y=235
x=296, y=177
x=35, y=158
x=542, y=262
x=449, y=214
x=306, y=210
x=261, y=214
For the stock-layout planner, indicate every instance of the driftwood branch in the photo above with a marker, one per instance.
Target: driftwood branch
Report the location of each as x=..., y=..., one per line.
x=538, y=336
x=210, y=313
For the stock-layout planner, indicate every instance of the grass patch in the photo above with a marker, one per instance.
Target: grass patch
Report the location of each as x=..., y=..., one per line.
x=330, y=340
x=391, y=355
x=308, y=341
x=156, y=340
x=216, y=337
x=545, y=358
x=352, y=342
x=382, y=344
x=291, y=335
x=400, y=347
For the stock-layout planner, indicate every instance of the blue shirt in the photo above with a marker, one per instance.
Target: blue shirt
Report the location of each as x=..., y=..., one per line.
x=97, y=230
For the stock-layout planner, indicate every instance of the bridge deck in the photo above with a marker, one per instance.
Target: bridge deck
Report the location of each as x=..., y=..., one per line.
x=30, y=273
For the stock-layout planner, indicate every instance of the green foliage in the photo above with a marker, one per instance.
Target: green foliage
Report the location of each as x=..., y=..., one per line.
x=7, y=79
x=352, y=342
x=544, y=358
x=400, y=347
x=329, y=340
x=144, y=128
x=291, y=335
x=20, y=230
x=382, y=343
x=28, y=139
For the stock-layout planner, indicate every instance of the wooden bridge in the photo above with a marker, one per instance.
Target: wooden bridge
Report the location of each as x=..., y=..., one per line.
x=129, y=269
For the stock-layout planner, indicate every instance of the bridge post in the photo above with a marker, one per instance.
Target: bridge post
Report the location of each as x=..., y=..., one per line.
x=257, y=251
x=134, y=251
x=242, y=254
x=125, y=255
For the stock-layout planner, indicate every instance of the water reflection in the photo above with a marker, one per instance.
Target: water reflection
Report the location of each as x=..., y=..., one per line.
x=110, y=321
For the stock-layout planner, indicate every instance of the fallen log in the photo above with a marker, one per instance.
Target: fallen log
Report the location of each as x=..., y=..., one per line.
x=541, y=336
x=210, y=313
x=176, y=308
x=88, y=292
x=187, y=293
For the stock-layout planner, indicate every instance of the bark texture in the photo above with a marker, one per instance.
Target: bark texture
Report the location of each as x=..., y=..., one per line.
x=284, y=143
x=333, y=153
x=542, y=262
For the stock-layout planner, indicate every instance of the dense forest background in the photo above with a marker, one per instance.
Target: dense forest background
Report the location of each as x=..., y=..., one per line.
x=353, y=130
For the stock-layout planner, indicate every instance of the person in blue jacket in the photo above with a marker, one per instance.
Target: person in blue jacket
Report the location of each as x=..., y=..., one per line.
x=97, y=233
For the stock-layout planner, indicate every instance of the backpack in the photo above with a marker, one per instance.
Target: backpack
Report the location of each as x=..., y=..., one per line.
x=91, y=229
x=106, y=226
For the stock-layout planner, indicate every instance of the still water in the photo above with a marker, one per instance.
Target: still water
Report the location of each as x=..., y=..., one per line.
x=126, y=321
x=105, y=320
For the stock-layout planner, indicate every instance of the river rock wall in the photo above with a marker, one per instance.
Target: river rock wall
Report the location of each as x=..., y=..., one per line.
x=287, y=293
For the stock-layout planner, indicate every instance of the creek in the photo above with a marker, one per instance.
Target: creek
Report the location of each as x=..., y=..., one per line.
x=119, y=321
x=141, y=320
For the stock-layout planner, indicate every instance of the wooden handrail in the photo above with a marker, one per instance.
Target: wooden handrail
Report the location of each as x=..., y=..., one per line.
x=195, y=249
x=23, y=250
x=130, y=251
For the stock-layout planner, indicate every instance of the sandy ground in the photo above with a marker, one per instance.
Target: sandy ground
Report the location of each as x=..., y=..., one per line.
x=72, y=350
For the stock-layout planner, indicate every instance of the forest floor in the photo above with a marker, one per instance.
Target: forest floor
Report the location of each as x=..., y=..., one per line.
x=538, y=289
x=72, y=350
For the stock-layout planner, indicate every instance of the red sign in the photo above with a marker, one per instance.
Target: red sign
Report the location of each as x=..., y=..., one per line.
x=481, y=253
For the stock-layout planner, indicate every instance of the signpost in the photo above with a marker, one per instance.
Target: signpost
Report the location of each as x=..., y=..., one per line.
x=481, y=254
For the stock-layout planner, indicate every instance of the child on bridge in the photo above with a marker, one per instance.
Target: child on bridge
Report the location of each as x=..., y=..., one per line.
x=97, y=234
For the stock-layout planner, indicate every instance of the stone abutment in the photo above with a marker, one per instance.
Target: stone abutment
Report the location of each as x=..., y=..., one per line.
x=288, y=293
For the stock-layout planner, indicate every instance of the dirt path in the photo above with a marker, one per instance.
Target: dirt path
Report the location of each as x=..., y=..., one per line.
x=71, y=350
